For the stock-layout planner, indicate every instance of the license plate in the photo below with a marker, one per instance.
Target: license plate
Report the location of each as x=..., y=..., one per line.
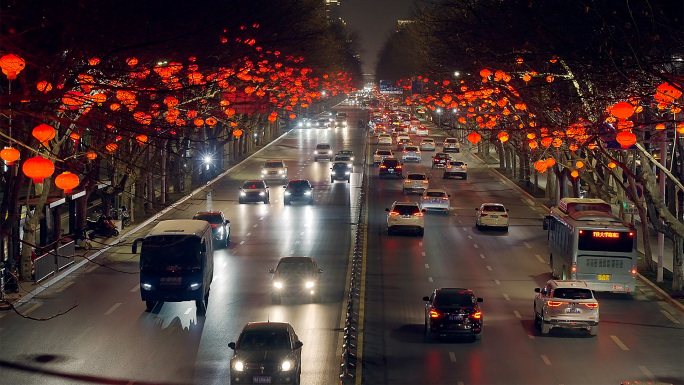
x=573, y=311
x=406, y=216
x=493, y=216
x=604, y=277
x=390, y=169
x=618, y=287
x=261, y=379
x=456, y=318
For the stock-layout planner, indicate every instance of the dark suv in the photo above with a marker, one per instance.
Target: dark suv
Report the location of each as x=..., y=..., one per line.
x=298, y=190
x=340, y=171
x=266, y=353
x=297, y=276
x=220, y=226
x=453, y=311
x=390, y=167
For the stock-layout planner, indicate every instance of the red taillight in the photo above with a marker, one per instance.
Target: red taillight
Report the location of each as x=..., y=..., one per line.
x=383, y=166
x=591, y=305
x=418, y=214
x=504, y=216
x=445, y=199
x=407, y=181
x=434, y=313
x=214, y=226
x=426, y=197
x=476, y=315
x=398, y=167
x=555, y=303
x=425, y=181
x=581, y=231
x=393, y=213
x=634, y=270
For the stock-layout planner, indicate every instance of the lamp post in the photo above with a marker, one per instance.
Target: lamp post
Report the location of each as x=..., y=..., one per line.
x=439, y=117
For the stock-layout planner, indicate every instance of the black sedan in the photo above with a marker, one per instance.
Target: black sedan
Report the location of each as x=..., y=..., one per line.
x=390, y=167
x=453, y=312
x=298, y=190
x=266, y=353
x=220, y=226
x=296, y=276
x=253, y=191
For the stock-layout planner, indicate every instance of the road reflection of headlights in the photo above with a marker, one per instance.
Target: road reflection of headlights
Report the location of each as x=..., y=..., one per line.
x=278, y=285
x=239, y=366
x=220, y=229
x=286, y=366
x=242, y=193
x=195, y=286
x=309, y=284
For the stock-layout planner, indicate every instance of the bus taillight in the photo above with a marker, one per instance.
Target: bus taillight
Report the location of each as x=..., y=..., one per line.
x=634, y=270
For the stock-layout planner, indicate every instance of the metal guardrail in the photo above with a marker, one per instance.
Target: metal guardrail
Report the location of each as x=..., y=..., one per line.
x=53, y=261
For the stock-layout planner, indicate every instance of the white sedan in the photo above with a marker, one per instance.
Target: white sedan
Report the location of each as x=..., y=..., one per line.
x=411, y=154
x=491, y=215
x=435, y=199
x=385, y=139
x=422, y=131
x=427, y=144
x=380, y=155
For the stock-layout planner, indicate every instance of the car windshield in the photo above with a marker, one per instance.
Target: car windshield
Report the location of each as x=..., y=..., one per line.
x=323, y=147
x=411, y=148
x=416, y=177
x=406, y=209
x=383, y=152
x=214, y=219
x=264, y=340
x=340, y=166
x=436, y=194
x=274, y=164
x=294, y=268
x=428, y=141
x=450, y=141
x=343, y=158
x=499, y=209
x=253, y=184
x=572, y=293
x=298, y=184
x=457, y=164
x=454, y=300
x=345, y=152
x=390, y=162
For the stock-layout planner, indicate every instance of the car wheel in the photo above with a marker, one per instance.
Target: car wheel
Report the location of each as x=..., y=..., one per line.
x=149, y=305
x=446, y=212
x=347, y=180
x=226, y=241
x=201, y=306
x=537, y=319
x=593, y=330
x=332, y=180
x=403, y=191
x=266, y=201
x=389, y=231
x=478, y=227
x=427, y=333
x=477, y=337
x=465, y=177
x=240, y=201
x=421, y=232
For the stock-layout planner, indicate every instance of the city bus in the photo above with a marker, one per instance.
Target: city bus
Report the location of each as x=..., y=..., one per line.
x=588, y=243
x=176, y=263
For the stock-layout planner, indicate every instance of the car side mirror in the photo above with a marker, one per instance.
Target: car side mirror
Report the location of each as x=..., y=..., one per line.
x=231, y=345
x=298, y=344
x=134, y=247
x=449, y=195
x=284, y=186
x=272, y=271
x=476, y=209
x=426, y=298
x=508, y=209
x=479, y=299
x=226, y=222
x=387, y=209
x=537, y=290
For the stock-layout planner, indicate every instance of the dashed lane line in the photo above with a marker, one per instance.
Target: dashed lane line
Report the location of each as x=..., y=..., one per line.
x=669, y=316
x=248, y=234
x=619, y=343
x=489, y=268
x=111, y=309
x=482, y=256
x=527, y=245
x=540, y=258
x=470, y=237
x=256, y=225
x=452, y=356
x=430, y=279
x=497, y=282
x=423, y=253
x=546, y=359
x=476, y=246
x=135, y=288
x=647, y=373
x=517, y=314
x=506, y=297
x=427, y=266
x=242, y=242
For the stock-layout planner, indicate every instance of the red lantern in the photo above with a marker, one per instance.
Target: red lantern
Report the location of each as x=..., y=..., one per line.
x=75, y=137
x=550, y=162
x=67, y=181
x=446, y=99
x=485, y=73
x=9, y=155
x=142, y=139
x=43, y=133
x=211, y=122
x=91, y=155
x=111, y=147
x=502, y=136
x=546, y=141
x=237, y=133
x=574, y=174
x=474, y=138
x=622, y=110
x=38, y=168
x=11, y=65
x=667, y=93
x=626, y=139
x=272, y=118
x=540, y=166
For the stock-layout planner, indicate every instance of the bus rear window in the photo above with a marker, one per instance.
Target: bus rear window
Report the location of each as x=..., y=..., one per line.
x=616, y=241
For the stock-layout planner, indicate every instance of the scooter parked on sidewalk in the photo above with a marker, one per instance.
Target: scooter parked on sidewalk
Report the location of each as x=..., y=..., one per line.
x=103, y=227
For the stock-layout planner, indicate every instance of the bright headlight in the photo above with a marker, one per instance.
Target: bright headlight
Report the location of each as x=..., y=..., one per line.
x=278, y=285
x=146, y=286
x=347, y=172
x=309, y=284
x=280, y=172
x=307, y=193
x=263, y=171
x=242, y=193
x=262, y=194
x=286, y=365
x=300, y=124
x=239, y=366
x=195, y=286
x=287, y=193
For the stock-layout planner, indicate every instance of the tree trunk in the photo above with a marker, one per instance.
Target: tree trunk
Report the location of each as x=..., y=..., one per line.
x=677, y=259
x=30, y=228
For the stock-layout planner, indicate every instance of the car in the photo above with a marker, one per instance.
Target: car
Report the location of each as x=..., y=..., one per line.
x=323, y=151
x=298, y=190
x=274, y=169
x=349, y=153
x=254, y=191
x=422, y=131
x=323, y=123
x=491, y=215
x=456, y=168
x=341, y=115
x=390, y=167
x=403, y=141
x=379, y=155
x=414, y=182
x=305, y=123
x=452, y=311
x=220, y=226
x=435, y=199
x=340, y=121
x=346, y=159
x=566, y=304
x=451, y=144
x=385, y=139
x=266, y=353
x=340, y=171
x=427, y=144
x=440, y=160
x=411, y=154
x=295, y=276
x=405, y=216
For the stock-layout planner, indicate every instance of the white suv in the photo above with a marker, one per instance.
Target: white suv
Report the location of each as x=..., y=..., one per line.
x=274, y=169
x=415, y=182
x=566, y=304
x=405, y=216
x=450, y=144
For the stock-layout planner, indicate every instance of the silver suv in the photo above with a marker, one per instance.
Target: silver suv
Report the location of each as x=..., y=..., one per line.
x=274, y=169
x=566, y=304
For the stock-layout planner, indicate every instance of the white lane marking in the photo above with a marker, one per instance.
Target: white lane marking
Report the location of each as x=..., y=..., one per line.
x=482, y=256
x=545, y=359
x=517, y=314
x=257, y=225
x=507, y=297
x=619, y=343
x=460, y=383
x=423, y=253
x=452, y=356
x=297, y=242
x=540, y=258
x=135, y=288
x=82, y=334
x=261, y=219
x=66, y=285
x=476, y=246
x=427, y=266
x=248, y=234
x=111, y=309
x=647, y=373
x=669, y=316
x=527, y=244
x=430, y=279
x=460, y=222
x=489, y=268
x=188, y=311
x=531, y=336
x=470, y=237
x=90, y=269
x=497, y=282
x=242, y=242
x=32, y=308
x=529, y=202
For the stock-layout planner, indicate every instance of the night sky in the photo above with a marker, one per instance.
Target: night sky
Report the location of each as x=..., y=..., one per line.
x=374, y=20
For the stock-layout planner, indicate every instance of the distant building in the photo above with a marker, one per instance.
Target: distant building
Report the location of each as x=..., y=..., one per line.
x=332, y=10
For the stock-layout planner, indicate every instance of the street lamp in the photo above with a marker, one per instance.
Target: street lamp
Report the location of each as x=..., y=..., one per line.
x=439, y=117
